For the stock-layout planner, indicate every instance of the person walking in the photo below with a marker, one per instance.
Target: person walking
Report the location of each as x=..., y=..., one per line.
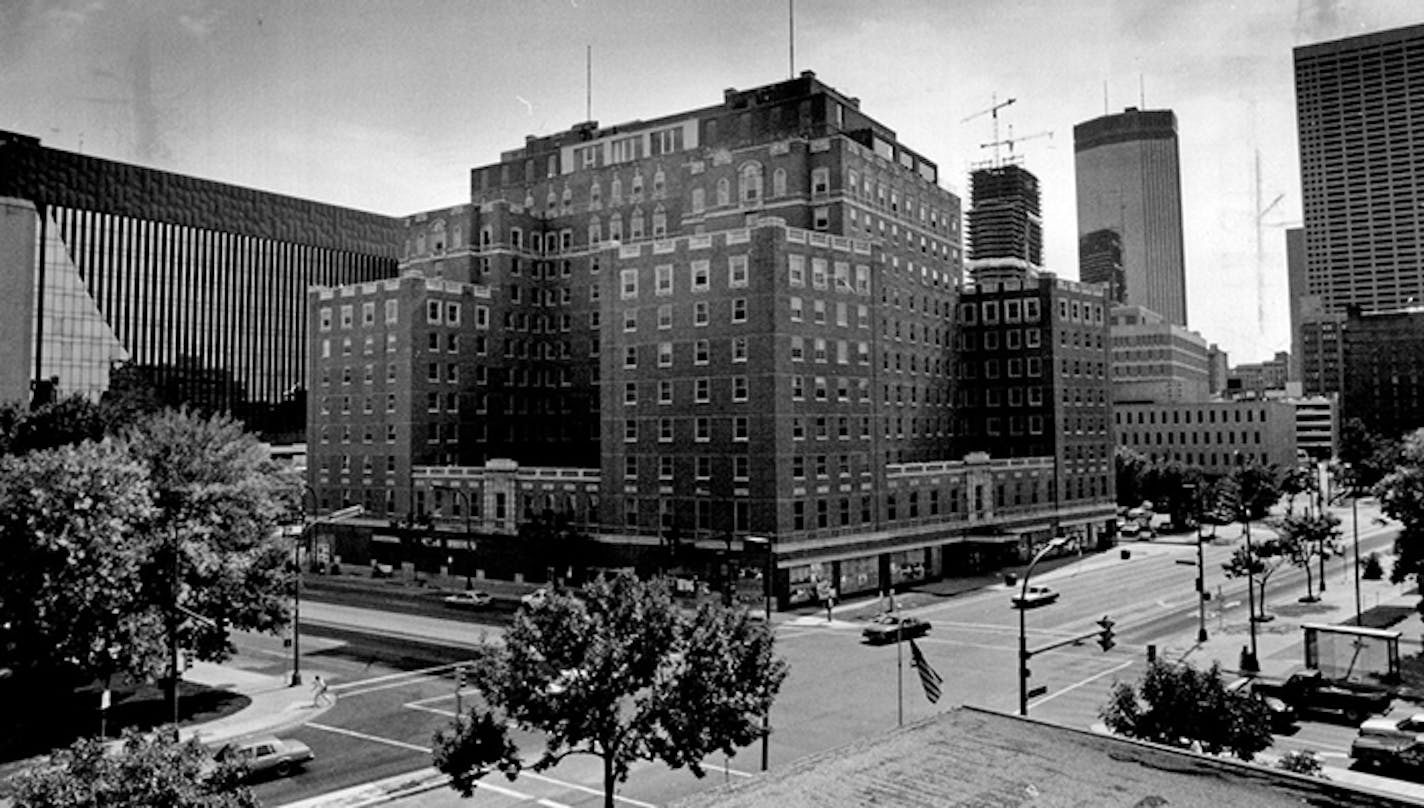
x=320, y=696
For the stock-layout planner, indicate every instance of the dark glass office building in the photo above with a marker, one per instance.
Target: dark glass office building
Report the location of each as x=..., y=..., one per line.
x=193, y=288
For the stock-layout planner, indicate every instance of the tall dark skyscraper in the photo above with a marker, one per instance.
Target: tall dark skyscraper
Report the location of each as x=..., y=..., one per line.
x=1005, y=224
x=1100, y=261
x=1360, y=112
x=1129, y=182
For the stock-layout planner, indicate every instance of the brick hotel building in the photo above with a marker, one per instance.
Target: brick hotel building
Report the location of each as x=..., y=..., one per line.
x=734, y=321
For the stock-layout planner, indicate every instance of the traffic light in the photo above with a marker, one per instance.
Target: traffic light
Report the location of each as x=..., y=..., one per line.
x=1105, y=637
x=459, y=677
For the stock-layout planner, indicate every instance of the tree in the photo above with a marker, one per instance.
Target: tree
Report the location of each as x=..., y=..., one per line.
x=1370, y=456
x=1168, y=485
x=1260, y=561
x=1179, y=705
x=617, y=672
x=1401, y=495
x=1305, y=538
x=71, y=522
x=63, y=422
x=1131, y=470
x=1296, y=481
x=216, y=548
x=146, y=770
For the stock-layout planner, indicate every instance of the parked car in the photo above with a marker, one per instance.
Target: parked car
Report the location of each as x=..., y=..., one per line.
x=1283, y=715
x=535, y=599
x=1309, y=691
x=379, y=570
x=468, y=600
x=268, y=756
x=893, y=627
x=1390, y=742
x=1035, y=596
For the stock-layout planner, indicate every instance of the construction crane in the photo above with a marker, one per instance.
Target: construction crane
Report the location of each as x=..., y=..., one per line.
x=1011, y=140
x=992, y=111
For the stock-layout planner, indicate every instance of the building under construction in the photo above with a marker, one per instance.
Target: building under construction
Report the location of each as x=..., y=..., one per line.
x=1005, y=224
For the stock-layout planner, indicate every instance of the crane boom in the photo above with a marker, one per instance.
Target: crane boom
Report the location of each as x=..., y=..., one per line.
x=1011, y=140
x=993, y=111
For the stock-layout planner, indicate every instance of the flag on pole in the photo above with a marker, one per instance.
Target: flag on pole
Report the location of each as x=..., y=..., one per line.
x=928, y=677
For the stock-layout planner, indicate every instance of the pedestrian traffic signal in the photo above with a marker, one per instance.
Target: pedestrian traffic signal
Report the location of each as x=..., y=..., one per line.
x=459, y=677
x=1105, y=637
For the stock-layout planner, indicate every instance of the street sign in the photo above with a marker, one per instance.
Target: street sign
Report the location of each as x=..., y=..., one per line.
x=1037, y=691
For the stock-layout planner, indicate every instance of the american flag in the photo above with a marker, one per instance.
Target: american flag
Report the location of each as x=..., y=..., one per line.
x=928, y=677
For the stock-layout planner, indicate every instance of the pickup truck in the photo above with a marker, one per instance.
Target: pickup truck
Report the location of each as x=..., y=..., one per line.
x=1390, y=743
x=1310, y=692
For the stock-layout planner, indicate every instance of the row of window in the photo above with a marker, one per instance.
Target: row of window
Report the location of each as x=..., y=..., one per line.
x=1181, y=438
x=1011, y=339
x=1206, y=416
x=701, y=391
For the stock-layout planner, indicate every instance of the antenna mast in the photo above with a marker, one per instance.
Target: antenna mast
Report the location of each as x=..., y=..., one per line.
x=588, y=83
x=791, y=35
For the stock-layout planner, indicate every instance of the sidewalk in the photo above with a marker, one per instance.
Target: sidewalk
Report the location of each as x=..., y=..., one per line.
x=276, y=704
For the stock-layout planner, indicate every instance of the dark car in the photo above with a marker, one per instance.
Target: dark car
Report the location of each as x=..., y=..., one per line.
x=268, y=756
x=1283, y=716
x=891, y=628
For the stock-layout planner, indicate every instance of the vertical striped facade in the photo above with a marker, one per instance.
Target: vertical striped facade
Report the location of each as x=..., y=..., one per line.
x=195, y=287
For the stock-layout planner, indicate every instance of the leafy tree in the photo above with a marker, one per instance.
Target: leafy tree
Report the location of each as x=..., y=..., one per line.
x=1401, y=495
x=1179, y=705
x=216, y=549
x=71, y=521
x=1306, y=538
x=1169, y=486
x=1131, y=470
x=1302, y=761
x=1370, y=456
x=63, y=422
x=1296, y=481
x=146, y=771
x=618, y=672
x=1261, y=562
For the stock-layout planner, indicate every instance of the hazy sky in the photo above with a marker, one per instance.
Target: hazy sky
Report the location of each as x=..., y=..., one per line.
x=385, y=106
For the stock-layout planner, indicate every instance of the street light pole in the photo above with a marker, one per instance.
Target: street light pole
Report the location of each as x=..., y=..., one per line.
x=1056, y=542
x=297, y=589
x=1201, y=563
x=1355, y=523
x=767, y=571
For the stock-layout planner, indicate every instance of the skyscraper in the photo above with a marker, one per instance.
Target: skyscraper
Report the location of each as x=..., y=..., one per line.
x=1005, y=225
x=1129, y=182
x=1360, y=113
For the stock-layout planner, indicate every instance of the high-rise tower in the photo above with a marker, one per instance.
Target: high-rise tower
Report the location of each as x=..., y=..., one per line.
x=1129, y=182
x=1005, y=225
x=1360, y=112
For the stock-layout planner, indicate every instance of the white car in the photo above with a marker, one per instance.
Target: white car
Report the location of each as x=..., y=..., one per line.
x=1034, y=596
x=468, y=600
x=535, y=599
x=268, y=756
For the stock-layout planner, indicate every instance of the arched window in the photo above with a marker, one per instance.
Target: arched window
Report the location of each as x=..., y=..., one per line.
x=659, y=222
x=595, y=196
x=615, y=196
x=528, y=200
x=724, y=192
x=551, y=201
x=659, y=183
x=635, y=225
x=615, y=227
x=636, y=192
x=699, y=200
x=567, y=200
x=749, y=184
x=778, y=182
x=595, y=231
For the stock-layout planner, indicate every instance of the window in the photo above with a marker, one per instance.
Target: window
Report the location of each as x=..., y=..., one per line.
x=663, y=277
x=700, y=352
x=737, y=272
x=699, y=313
x=701, y=276
x=739, y=349
x=739, y=388
x=629, y=283
x=665, y=316
x=821, y=218
x=820, y=181
x=325, y=316
x=740, y=465
x=346, y=317
x=749, y=181
x=630, y=393
x=368, y=313
x=798, y=349
x=795, y=309
x=778, y=182
x=702, y=390
x=665, y=430
x=740, y=431
x=818, y=273
x=796, y=270
x=452, y=313
x=432, y=312
x=630, y=431
x=739, y=310
x=702, y=429
x=664, y=354
x=630, y=320
x=664, y=391
x=699, y=200
x=630, y=356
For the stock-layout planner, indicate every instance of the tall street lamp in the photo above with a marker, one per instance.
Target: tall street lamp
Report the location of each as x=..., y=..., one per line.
x=1355, y=526
x=469, y=535
x=298, y=542
x=767, y=570
x=1192, y=491
x=1056, y=542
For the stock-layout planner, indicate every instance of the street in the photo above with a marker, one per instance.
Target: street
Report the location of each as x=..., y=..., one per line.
x=395, y=691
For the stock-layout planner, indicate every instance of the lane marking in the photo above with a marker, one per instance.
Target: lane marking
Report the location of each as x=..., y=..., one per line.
x=400, y=675
x=351, y=733
x=1089, y=680
x=585, y=789
x=436, y=710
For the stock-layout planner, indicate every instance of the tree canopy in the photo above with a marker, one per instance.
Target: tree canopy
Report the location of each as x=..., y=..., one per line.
x=621, y=673
x=146, y=770
x=1304, y=538
x=1401, y=495
x=1178, y=705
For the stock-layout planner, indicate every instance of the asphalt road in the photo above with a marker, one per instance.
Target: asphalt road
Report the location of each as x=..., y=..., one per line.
x=393, y=693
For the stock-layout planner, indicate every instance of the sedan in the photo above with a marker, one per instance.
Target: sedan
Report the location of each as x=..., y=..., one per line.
x=1283, y=716
x=264, y=756
x=891, y=628
x=468, y=600
x=1034, y=596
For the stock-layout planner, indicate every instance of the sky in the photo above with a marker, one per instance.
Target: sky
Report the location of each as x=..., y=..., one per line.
x=386, y=106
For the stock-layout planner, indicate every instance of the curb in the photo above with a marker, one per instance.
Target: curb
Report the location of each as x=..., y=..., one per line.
x=366, y=794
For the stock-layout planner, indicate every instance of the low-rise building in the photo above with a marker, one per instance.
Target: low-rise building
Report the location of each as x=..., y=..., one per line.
x=1154, y=360
x=1214, y=435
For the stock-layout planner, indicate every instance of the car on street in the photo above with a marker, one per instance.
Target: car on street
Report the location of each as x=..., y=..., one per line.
x=893, y=627
x=535, y=599
x=1390, y=742
x=268, y=756
x=1309, y=691
x=468, y=600
x=1034, y=597
x=1283, y=715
